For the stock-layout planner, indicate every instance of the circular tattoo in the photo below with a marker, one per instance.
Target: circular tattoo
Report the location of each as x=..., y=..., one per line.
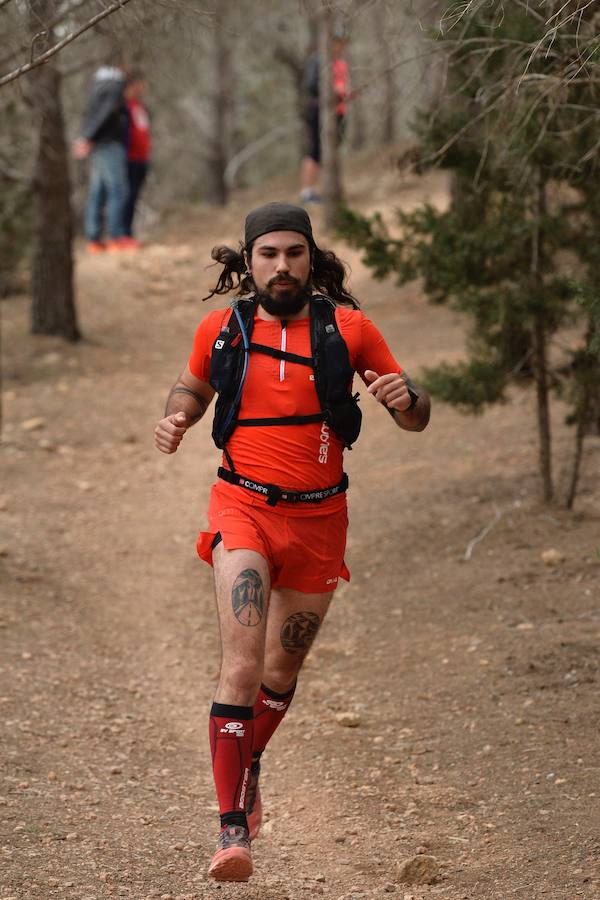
x=247, y=598
x=299, y=631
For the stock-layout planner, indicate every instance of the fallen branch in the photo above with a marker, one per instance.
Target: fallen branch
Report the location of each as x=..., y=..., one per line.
x=484, y=531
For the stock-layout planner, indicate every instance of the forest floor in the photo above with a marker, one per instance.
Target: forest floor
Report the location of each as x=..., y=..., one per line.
x=474, y=681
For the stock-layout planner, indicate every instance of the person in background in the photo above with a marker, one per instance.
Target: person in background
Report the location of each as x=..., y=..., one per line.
x=311, y=162
x=103, y=139
x=138, y=146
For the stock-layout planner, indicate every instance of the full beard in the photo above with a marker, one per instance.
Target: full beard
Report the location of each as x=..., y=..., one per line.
x=288, y=303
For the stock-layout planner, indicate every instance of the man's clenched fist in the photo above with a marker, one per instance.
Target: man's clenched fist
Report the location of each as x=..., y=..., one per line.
x=170, y=431
x=389, y=389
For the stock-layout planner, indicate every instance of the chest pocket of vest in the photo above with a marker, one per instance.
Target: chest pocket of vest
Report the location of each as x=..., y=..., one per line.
x=224, y=364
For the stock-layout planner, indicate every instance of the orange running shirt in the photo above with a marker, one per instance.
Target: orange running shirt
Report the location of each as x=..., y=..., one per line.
x=300, y=457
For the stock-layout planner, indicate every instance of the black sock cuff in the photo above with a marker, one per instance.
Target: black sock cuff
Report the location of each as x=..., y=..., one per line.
x=275, y=696
x=234, y=818
x=225, y=711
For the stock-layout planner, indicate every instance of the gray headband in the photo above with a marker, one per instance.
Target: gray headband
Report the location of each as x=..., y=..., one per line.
x=277, y=217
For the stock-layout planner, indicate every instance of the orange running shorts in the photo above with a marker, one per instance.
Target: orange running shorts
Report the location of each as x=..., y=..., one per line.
x=303, y=543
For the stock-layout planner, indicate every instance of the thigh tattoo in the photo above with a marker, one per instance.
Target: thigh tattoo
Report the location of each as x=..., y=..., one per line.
x=298, y=632
x=248, y=598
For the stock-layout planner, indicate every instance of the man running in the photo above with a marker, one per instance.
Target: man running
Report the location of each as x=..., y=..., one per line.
x=281, y=359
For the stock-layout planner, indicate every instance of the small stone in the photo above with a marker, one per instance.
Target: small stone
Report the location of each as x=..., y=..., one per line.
x=116, y=770
x=50, y=358
x=54, y=882
x=320, y=878
x=178, y=846
x=421, y=869
x=348, y=719
x=420, y=851
x=52, y=776
x=83, y=486
x=45, y=444
x=72, y=836
x=389, y=888
x=33, y=424
x=552, y=557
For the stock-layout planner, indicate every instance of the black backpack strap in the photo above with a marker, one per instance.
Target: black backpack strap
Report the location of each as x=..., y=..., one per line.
x=283, y=420
x=333, y=371
x=322, y=322
x=227, y=367
x=282, y=354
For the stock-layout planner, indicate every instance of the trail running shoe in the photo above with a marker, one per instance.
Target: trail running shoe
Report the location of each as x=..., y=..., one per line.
x=308, y=195
x=123, y=243
x=232, y=861
x=95, y=247
x=254, y=802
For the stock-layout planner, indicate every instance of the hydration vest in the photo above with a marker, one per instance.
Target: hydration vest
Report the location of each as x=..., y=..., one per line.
x=329, y=361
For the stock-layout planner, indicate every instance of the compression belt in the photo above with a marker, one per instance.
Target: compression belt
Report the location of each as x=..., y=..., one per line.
x=274, y=494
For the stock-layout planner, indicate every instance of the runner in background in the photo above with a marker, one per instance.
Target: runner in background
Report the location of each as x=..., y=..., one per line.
x=311, y=163
x=282, y=360
x=138, y=146
x=103, y=139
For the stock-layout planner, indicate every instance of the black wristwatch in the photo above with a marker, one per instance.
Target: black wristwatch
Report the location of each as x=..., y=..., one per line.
x=413, y=401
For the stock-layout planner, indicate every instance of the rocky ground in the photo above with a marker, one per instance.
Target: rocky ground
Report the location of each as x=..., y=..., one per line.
x=446, y=726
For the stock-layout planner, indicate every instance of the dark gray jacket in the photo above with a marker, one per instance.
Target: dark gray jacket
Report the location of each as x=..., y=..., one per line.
x=106, y=114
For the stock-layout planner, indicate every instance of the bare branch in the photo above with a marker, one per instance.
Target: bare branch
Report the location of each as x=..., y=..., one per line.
x=27, y=67
x=480, y=536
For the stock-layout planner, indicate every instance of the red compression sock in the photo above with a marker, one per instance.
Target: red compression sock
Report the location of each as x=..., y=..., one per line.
x=269, y=710
x=231, y=730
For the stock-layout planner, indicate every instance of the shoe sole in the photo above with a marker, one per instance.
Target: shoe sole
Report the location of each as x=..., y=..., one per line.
x=234, y=864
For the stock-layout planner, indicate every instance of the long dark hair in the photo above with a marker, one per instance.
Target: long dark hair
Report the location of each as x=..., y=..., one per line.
x=328, y=274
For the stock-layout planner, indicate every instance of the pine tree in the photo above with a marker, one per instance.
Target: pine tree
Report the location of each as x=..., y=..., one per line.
x=518, y=249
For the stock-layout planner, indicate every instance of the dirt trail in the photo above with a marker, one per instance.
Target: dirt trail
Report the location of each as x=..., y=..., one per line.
x=475, y=682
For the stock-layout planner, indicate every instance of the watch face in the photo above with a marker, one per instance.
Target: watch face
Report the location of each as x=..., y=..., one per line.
x=413, y=398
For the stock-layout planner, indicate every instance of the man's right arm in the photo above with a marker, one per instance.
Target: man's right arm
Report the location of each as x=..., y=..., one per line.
x=188, y=400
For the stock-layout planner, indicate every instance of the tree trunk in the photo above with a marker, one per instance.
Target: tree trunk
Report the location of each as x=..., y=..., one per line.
x=540, y=356
x=583, y=408
x=540, y=364
x=216, y=189
x=330, y=157
x=388, y=133
x=588, y=396
x=53, y=302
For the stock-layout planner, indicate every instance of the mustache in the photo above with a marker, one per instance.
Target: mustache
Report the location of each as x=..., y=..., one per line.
x=284, y=279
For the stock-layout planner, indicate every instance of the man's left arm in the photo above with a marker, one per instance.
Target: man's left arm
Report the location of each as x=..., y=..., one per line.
x=408, y=404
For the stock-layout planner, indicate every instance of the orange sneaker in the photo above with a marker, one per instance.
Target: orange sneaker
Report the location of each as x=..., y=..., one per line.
x=232, y=860
x=95, y=247
x=123, y=243
x=130, y=243
x=254, y=811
